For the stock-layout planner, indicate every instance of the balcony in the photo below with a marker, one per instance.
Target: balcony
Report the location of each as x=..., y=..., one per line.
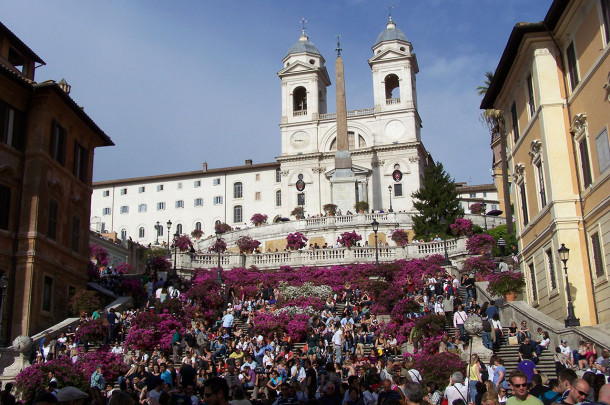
x=392, y=101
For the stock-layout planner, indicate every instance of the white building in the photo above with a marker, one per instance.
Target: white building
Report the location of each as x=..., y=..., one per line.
x=478, y=193
x=382, y=139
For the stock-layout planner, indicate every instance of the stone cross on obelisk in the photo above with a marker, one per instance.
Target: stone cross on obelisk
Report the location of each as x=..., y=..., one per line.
x=343, y=181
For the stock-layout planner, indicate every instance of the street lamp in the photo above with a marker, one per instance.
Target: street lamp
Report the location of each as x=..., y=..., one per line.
x=169, y=227
x=175, y=275
x=390, y=190
x=3, y=285
x=564, y=255
x=501, y=245
x=218, y=238
x=157, y=227
x=446, y=262
x=485, y=215
x=375, y=226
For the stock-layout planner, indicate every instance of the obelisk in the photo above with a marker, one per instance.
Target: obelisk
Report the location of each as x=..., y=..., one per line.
x=343, y=180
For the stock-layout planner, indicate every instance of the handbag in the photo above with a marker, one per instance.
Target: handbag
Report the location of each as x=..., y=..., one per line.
x=513, y=341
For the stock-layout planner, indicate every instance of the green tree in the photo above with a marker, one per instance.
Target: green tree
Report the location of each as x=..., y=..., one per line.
x=437, y=198
x=510, y=239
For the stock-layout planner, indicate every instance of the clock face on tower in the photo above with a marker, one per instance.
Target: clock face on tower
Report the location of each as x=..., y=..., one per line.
x=394, y=130
x=299, y=139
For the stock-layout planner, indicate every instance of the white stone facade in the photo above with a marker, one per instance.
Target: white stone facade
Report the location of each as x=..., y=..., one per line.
x=382, y=139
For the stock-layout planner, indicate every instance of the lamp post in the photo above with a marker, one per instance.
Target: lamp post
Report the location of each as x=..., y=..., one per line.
x=501, y=245
x=485, y=215
x=446, y=262
x=157, y=227
x=390, y=190
x=218, y=238
x=564, y=255
x=175, y=275
x=375, y=226
x=169, y=227
x=3, y=285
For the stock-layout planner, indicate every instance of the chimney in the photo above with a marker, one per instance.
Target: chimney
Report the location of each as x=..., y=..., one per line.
x=205, y=167
x=63, y=84
x=248, y=162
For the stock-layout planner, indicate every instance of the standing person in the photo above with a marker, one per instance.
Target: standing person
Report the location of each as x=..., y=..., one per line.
x=311, y=380
x=474, y=376
x=216, y=391
x=97, y=379
x=518, y=383
x=486, y=333
x=456, y=388
x=227, y=322
x=459, y=317
x=113, y=321
x=338, y=341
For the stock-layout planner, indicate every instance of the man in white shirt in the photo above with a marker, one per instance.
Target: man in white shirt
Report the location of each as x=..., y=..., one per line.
x=227, y=322
x=117, y=349
x=338, y=343
x=565, y=350
x=456, y=388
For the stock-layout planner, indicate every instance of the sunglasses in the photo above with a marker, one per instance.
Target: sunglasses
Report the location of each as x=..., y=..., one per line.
x=519, y=385
x=584, y=394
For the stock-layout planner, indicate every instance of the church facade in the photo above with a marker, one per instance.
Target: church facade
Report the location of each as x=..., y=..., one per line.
x=388, y=157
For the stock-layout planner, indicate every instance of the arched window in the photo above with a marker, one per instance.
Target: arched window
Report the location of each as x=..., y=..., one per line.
x=141, y=232
x=392, y=88
x=238, y=191
x=179, y=229
x=278, y=198
x=123, y=234
x=353, y=142
x=299, y=95
x=237, y=214
x=198, y=226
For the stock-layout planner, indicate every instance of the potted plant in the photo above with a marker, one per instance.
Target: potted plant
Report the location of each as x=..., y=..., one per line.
x=247, y=245
x=506, y=283
x=222, y=227
x=219, y=245
x=476, y=208
x=330, y=209
x=349, y=239
x=462, y=227
x=400, y=237
x=258, y=219
x=297, y=212
x=196, y=233
x=296, y=241
x=361, y=206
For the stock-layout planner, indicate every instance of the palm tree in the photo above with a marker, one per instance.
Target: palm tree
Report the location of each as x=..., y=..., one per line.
x=494, y=119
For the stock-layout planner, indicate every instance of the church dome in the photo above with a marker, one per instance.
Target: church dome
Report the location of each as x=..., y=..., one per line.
x=303, y=45
x=391, y=33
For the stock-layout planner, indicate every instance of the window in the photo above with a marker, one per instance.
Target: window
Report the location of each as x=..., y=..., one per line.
x=523, y=203
x=198, y=202
x=47, y=291
x=198, y=226
x=238, y=191
x=278, y=198
x=530, y=96
x=301, y=199
x=237, y=214
x=533, y=281
x=52, y=221
x=216, y=181
x=123, y=234
x=180, y=204
x=552, y=275
x=603, y=151
x=473, y=195
x=398, y=190
x=541, y=185
x=141, y=232
x=12, y=126
x=197, y=183
x=606, y=17
x=257, y=177
x=81, y=162
x=124, y=209
x=106, y=211
x=58, y=144
x=123, y=191
x=257, y=196
x=75, y=237
x=142, y=208
x=515, y=121
x=583, y=149
x=218, y=200
x=597, y=255
x=278, y=176
x=141, y=189
x=159, y=187
x=5, y=205
x=179, y=186
x=572, y=67
x=106, y=193
x=160, y=230
x=179, y=229
x=160, y=206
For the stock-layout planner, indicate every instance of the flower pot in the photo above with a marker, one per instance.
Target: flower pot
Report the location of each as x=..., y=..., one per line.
x=510, y=296
x=258, y=224
x=362, y=211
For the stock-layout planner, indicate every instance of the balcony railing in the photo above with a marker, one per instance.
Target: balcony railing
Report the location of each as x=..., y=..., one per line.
x=390, y=101
x=299, y=113
x=352, y=113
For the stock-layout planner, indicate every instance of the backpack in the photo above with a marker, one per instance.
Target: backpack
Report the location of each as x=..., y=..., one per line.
x=550, y=401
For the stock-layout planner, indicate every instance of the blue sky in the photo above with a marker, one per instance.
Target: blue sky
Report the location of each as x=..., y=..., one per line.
x=175, y=83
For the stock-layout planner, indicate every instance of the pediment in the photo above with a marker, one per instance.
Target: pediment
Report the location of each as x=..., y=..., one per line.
x=389, y=54
x=358, y=171
x=298, y=67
